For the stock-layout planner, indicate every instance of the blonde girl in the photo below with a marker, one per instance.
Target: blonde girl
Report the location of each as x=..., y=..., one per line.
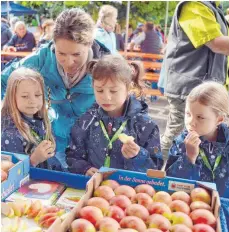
x=201, y=152
x=94, y=137
x=47, y=35
x=25, y=124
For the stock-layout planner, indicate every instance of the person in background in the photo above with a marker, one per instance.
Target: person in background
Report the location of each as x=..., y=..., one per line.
x=47, y=32
x=195, y=52
x=119, y=38
x=94, y=137
x=138, y=30
x=148, y=40
x=13, y=21
x=62, y=62
x=227, y=16
x=105, y=27
x=23, y=40
x=130, y=34
x=160, y=32
x=6, y=33
x=25, y=127
x=201, y=151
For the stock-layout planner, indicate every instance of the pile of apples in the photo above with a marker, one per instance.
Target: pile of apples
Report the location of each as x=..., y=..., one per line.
x=43, y=215
x=121, y=208
x=5, y=166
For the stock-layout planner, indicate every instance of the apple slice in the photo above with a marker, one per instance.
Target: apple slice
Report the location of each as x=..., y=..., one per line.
x=125, y=138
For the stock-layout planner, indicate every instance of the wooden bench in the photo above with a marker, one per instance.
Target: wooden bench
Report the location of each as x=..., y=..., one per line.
x=142, y=55
x=152, y=65
x=153, y=77
x=152, y=92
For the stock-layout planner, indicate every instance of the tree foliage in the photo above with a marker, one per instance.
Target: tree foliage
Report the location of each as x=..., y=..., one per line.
x=140, y=11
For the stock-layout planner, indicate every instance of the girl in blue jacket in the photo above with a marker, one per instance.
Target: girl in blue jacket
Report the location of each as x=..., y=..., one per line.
x=201, y=152
x=94, y=137
x=25, y=125
x=63, y=64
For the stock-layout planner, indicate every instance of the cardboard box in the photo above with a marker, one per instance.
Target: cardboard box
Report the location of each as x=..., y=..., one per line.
x=69, y=179
x=16, y=174
x=154, y=178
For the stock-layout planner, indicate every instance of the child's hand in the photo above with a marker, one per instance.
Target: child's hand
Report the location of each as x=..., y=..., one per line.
x=91, y=171
x=192, y=143
x=130, y=149
x=42, y=152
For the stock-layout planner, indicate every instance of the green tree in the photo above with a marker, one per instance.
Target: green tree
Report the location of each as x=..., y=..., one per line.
x=140, y=11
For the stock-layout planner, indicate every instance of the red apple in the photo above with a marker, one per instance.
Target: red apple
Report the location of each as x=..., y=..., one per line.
x=91, y=213
x=111, y=183
x=153, y=230
x=179, y=206
x=159, y=222
x=125, y=190
x=142, y=199
x=116, y=213
x=159, y=208
x=100, y=203
x=127, y=230
x=80, y=225
x=202, y=228
x=121, y=201
x=200, y=205
x=105, y=192
x=145, y=188
x=180, y=228
x=107, y=224
x=181, y=218
x=133, y=222
x=138, y=211
x=201, y=194
x=162, y=196
x=203, y=216
x=182, y=196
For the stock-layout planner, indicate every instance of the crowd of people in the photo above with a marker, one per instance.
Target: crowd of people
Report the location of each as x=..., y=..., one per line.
x=66, y=104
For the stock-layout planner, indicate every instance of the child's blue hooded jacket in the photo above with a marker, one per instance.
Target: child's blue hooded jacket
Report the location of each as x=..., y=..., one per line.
x=88, y=145
x=13, y=141
x=179, y=165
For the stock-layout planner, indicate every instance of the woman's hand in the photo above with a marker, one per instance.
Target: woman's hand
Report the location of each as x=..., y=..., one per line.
x=11, y=49
x=91, y=171
x=130, y=149
x=42, y=152
x=192, y=143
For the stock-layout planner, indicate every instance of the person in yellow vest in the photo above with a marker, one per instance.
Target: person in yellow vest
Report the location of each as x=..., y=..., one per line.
x=227, y=16
x=197, y=51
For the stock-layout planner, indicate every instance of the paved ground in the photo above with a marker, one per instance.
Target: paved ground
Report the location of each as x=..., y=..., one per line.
x=158, y=110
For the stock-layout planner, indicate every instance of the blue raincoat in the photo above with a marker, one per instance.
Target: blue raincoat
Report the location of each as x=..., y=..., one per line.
x=66, y=105
x=179, y=165
x=13, y=141
x=88, y=147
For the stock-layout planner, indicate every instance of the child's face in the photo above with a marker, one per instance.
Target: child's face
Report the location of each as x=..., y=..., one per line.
x=111, y=96
x=201, y=119
x=29, y=97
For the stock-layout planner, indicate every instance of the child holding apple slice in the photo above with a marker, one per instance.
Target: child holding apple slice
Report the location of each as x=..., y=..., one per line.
x=94, y=137
x=201, y=152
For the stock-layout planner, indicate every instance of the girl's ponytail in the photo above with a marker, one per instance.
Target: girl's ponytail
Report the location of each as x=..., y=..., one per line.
x=137, y=75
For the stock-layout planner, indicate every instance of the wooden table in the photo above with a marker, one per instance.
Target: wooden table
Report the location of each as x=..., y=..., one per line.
x=149, y=76
x=142, y=55
x=152, y=65
x=15, y=54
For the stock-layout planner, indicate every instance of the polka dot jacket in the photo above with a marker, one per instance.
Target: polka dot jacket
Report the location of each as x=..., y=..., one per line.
x=88, y=146
x=13, y=141
x=179, y=165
